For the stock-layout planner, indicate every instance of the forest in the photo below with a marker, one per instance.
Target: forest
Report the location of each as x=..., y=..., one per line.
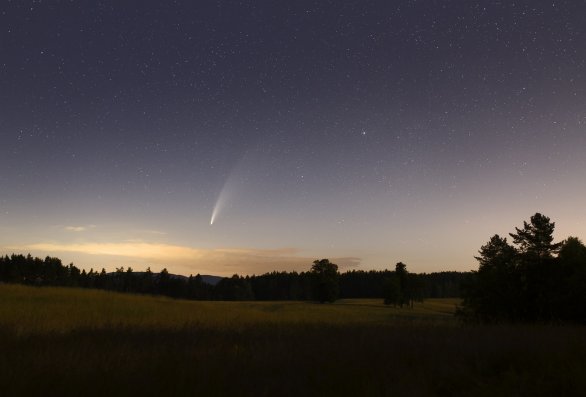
x=532, y=280
x=28, y=270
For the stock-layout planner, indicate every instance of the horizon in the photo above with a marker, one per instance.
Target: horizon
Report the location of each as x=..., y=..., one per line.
x=98, y=269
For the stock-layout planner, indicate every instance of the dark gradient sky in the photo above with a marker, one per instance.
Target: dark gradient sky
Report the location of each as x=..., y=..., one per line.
x=368, y=132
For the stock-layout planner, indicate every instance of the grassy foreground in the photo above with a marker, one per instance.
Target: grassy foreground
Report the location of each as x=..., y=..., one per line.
x=79, y=342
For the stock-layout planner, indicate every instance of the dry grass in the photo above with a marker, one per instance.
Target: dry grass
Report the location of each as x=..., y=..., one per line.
x=41, y=310
x=93, y=343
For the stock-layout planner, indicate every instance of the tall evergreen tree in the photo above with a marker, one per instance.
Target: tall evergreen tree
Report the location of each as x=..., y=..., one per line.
x=403, y=280
x=529, y=282
x=572, y=259
x=535, y=239
x=491, y=295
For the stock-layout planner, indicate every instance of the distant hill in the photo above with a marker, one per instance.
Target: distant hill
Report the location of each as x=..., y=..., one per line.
x=206, y=278
x=213, y=280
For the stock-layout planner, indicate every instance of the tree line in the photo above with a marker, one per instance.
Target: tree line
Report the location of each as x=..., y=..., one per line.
x=533, y=279
x=322, y=282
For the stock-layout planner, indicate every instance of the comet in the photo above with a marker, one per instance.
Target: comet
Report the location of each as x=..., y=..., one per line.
x=233, y=184
x=214, y=213
x=223, y=198
x=219, y=204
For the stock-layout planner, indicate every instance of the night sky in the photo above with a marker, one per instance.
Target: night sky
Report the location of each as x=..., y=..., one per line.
x=367, y=132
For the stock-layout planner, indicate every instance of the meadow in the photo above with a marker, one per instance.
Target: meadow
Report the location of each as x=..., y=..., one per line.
x=58, y=341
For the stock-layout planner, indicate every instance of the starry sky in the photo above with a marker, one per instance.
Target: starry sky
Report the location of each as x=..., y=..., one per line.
x=367, y=132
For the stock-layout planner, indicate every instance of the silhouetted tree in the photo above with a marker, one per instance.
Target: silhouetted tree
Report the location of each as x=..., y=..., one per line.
x=572, y=259
x=572, y=252
x=529, y=282
x=234, y=288
x=535, y=240
x=539, y=271
x=102, y=280
x=392, y=290
x=146, y=282
x=198, y=289
x=73, y=275
x=325, y=280
x=402, y=279
x=163, y=282
x=492, y=295
x=409, y=287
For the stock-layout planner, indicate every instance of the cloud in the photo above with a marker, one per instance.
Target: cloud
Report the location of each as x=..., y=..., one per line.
x=155, y=232
x=75, y=228
x=78, y=229
x=188, y=260
x=136, y=249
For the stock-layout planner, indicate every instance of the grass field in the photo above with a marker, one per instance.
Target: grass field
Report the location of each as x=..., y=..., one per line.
x=57, y=341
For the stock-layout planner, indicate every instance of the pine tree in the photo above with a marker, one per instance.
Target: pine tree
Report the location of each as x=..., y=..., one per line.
x=535, y=239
